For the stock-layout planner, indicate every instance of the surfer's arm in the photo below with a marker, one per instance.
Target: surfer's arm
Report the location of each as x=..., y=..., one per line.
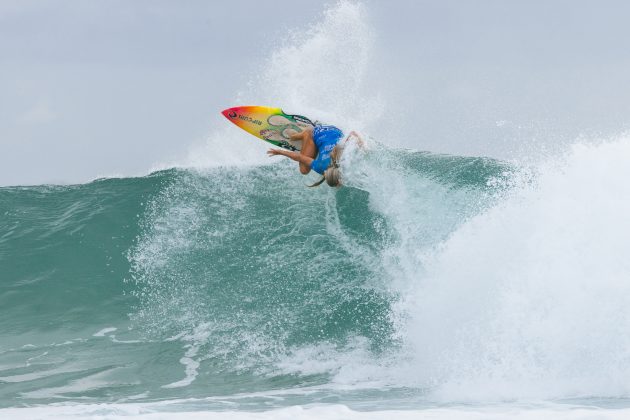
x=296, y=156
x=359, y=139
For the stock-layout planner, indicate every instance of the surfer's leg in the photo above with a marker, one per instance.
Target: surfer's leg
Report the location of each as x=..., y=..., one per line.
x=308, y=149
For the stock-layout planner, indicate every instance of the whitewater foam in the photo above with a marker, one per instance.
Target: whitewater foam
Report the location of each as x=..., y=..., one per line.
x=326, y=411
x=529, y=299
x=104, y=332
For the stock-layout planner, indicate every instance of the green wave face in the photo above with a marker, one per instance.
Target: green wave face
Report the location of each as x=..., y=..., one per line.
x=214, y=283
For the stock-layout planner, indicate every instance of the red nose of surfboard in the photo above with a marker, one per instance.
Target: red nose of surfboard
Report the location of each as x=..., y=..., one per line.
x=228, y=113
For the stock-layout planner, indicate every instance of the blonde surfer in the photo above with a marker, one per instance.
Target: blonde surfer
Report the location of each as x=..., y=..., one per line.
x=320, y=152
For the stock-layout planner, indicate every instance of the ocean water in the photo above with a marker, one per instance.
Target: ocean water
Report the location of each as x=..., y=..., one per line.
x=429, y=286
x=447, y=285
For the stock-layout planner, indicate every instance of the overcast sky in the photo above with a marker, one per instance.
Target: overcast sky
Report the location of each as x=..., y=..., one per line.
x=101, y=88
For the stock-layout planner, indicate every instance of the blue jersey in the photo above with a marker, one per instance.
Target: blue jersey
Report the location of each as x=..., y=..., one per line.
x=325, y=138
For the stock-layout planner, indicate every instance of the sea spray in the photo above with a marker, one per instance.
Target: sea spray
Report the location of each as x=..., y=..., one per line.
x=530, y=298
x=321, y=71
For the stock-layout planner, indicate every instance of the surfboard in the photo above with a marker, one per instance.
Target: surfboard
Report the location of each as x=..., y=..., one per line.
x=270, y=124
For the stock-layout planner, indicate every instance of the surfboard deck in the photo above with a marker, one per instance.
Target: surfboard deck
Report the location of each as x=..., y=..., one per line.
x=270, y=124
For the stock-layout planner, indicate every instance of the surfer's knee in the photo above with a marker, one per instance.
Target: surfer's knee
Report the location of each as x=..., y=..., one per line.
x=304, y=169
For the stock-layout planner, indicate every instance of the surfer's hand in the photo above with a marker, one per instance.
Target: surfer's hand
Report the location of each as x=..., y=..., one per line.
x=359, y=140
x=275, y=152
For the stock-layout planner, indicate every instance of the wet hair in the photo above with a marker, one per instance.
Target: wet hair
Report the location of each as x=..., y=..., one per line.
x=319, y=182
x=335, y=155
x=332, y=175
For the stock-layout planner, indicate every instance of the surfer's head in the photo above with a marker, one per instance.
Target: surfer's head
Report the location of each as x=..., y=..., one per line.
x=332, y=176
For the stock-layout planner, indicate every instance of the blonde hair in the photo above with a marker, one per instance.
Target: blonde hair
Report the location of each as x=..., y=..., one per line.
x=332, y=175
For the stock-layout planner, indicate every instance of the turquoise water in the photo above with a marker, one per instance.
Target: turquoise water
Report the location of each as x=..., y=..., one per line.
x=214, y=283
x=463, y=285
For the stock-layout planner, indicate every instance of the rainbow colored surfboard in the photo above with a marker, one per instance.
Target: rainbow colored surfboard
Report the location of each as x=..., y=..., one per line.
x=269, y=124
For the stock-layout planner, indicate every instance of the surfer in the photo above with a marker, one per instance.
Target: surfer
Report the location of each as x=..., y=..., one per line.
x=320, y=152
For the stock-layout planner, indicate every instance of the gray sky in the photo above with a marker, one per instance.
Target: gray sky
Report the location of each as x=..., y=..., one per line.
x=93, y=88
x=496, y=77
x=99, y=88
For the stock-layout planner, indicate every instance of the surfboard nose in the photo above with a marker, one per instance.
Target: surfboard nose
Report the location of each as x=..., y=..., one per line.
x=229, y=113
